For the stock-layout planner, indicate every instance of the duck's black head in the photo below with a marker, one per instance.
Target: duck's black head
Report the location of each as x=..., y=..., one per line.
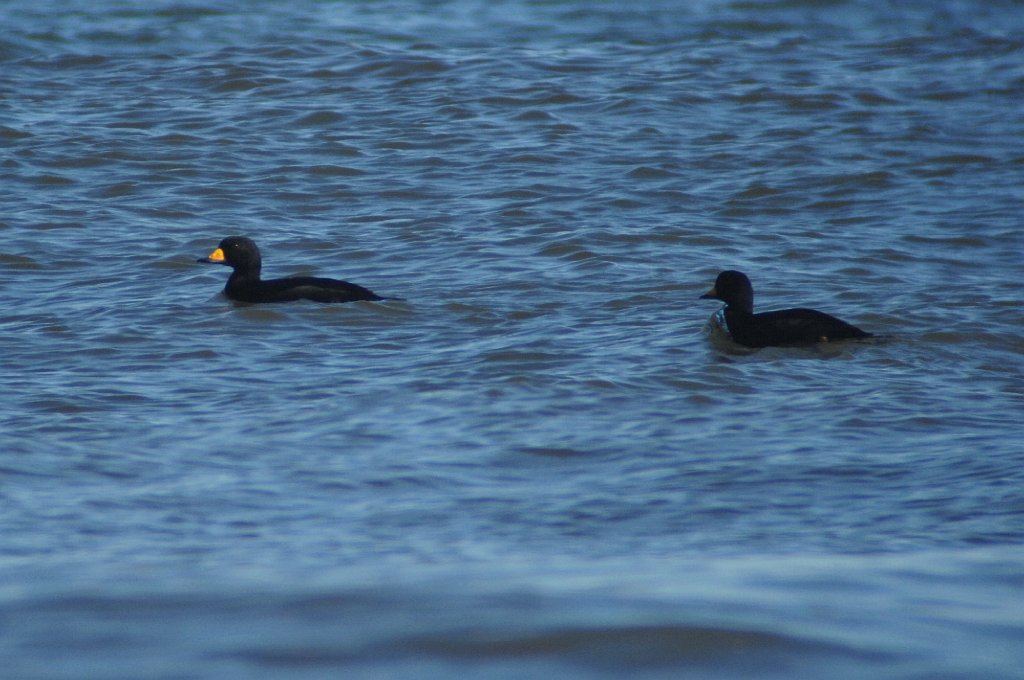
x=734, y=289
x=239, y=253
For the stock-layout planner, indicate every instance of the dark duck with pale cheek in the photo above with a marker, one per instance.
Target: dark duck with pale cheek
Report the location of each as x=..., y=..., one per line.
x=783, y=327
x=245, y=285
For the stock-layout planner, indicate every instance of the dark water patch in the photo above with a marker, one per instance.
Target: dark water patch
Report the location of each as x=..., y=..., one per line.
x=18, y=262
x=958, y=160
x=62, y=406
x=321, y=118
x=758, y=191
x=551, y=452
x=954, y=240
x=68, y=61
x=947, y=166
x=118, y=190
x=334, y=171
x=832, y=207
x=648, y=172
x=51, y=180
x=535, y=116
x=339, y=149
x=247, y=84
x=610, y=647
x=857, y=182
x=9, y=133
x=534, y=159
x=178, y=139
x=874, y=99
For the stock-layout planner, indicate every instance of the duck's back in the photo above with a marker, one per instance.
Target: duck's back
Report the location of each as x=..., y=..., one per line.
x=788, y=327
x=300, y=288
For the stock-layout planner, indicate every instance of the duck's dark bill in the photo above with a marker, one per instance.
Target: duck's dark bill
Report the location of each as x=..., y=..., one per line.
x=710, y=295
x=216, y=256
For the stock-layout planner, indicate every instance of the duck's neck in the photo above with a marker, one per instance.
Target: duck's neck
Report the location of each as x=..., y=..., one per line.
x=240, y=277
x=742, y=305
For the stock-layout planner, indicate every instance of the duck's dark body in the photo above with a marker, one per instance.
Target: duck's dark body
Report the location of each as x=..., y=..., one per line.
x=296, y=288
x=783, y=327
x=245, y=285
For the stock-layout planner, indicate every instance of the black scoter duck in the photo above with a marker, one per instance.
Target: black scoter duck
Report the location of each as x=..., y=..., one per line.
x=245, y=285
x=782, y=327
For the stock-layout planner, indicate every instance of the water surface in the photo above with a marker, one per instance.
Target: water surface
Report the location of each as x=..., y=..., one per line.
x=542, y=461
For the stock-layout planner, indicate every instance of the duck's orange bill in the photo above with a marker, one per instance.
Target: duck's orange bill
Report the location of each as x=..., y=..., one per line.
x=216, y=256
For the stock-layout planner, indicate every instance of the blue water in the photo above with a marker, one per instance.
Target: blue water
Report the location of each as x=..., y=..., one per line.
x=545, y=461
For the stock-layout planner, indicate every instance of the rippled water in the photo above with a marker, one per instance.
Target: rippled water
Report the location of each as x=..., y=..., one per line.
x=543, y=461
